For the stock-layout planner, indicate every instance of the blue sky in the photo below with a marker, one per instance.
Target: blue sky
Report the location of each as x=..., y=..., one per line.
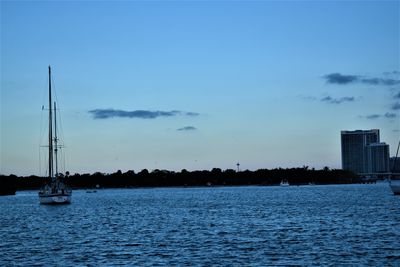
x=197, y=84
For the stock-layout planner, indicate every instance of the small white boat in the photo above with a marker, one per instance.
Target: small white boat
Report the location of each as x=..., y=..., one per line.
x=284, y=182
x=395, y=186
x=55, y=191
x=91, y=191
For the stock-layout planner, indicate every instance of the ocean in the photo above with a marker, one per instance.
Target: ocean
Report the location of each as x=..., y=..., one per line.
x=208, y=226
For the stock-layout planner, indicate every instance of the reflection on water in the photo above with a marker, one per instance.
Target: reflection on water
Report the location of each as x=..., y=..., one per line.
x=307, y=225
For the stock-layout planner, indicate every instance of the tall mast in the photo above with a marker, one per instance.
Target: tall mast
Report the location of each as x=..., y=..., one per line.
x=50, y=131
x=55, y=138
x=395, y=158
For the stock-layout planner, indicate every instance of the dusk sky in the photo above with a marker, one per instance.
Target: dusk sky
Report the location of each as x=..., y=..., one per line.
x=197, y=84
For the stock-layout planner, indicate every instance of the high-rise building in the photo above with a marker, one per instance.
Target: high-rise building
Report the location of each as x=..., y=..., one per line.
x=394, y=164
x=354, y=149
x=378, y=158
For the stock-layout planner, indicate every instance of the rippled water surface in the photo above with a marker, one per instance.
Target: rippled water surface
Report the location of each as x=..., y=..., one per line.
x=229, y=226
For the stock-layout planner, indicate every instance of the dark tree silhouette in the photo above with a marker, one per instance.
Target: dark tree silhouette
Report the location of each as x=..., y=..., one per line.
x=165, y=178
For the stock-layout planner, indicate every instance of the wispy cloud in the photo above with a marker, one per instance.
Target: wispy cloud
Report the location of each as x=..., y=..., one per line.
x=140, y=114
x=373, y=116
x=397, y=95
x=394, y=72
x=187, y=128
x=387, y=115
x=379, y=81
x=332, y=100
x=390, y=115
x=396, y=106
x=342, y=79
x=191, y=114
x=307, y=98
x=329, y=99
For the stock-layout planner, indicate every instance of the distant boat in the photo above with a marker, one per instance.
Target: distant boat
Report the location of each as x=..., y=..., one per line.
x=55, y=191
x=91, y=191
x=284, y=182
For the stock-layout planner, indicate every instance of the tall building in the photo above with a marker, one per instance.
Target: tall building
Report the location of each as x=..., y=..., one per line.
x=378, y=158
x=354, y=149
x=394, y=164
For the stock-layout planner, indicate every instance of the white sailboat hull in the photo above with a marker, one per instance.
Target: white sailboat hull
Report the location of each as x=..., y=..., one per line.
x=55, y=199
x=395, y=186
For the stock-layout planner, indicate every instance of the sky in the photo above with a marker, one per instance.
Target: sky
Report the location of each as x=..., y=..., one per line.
x=196, y=84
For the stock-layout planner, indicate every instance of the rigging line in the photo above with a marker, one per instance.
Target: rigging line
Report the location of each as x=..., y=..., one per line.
x=40, y=167
x=63, y=161
x=41, y=132
x=44, y=166
x=43, y=128
x=54, y=88
x=44, y=92
x=59, y=115
x=44, y=100
x=54, y=91
x=60, y=127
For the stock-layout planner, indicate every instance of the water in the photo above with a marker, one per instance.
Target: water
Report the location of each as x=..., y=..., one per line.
x=225, y=226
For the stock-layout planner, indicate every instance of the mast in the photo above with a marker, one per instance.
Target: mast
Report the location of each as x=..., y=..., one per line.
x=395, y=158
x=55, y=138
x=50, y=131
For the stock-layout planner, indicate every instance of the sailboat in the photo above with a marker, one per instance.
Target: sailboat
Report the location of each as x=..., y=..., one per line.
x=395, y=183
x=55, y=191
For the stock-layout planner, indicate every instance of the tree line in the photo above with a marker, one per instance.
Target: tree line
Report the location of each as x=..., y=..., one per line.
x=165, y=178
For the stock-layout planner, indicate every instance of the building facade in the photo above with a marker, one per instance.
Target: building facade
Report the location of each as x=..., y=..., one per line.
x=378, y=158
x=354, y=149
x=394, y=164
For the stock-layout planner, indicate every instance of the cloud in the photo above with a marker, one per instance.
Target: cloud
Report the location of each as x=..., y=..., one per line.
x=390, y=115
x=140, y=114
x=187, y=128
x=307, y=98
x=394, y=72
x=191, y=114
x=373, y=116
x=396, y=106
x=387, y=115
x=397, y=95
x=338, y=78
x=332, y=100
x=379, y=81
